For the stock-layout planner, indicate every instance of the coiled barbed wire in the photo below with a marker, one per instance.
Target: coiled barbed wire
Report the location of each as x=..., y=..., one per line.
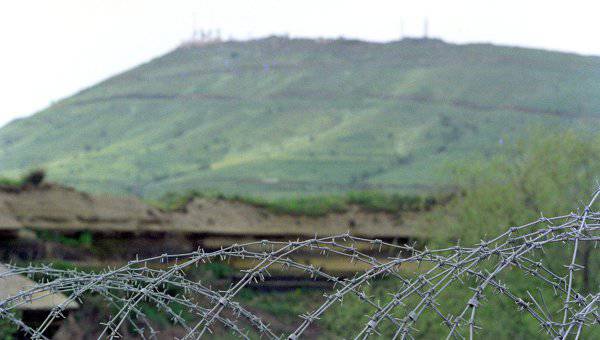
x=416, y=290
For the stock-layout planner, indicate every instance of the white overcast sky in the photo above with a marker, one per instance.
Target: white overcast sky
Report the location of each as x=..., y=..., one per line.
x=51, y=49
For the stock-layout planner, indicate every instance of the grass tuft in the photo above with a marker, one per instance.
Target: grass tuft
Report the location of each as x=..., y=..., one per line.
x=313, y=206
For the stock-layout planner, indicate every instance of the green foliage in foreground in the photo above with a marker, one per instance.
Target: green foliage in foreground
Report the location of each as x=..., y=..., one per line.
x=373, y=201
x=285, y=305
x=553, y=174
x=498, y=317
x=550, y=174
x=280, y=117
x=8, y=330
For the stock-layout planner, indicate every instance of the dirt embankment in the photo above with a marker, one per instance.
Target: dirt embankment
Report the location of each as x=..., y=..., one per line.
x=58, y=208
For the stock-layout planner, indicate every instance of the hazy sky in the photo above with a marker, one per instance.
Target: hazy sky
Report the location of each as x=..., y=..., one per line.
x=50, y=49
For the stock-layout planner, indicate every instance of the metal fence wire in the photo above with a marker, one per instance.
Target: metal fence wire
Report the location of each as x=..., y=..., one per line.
x=549, y=252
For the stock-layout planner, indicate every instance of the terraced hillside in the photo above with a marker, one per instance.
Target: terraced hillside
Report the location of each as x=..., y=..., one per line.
x=277, y=116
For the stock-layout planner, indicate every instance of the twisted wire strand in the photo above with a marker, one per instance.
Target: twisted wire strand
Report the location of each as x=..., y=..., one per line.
x=415, y=292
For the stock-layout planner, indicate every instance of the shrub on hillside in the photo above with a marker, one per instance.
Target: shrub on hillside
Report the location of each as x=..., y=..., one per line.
x=35, y=177
x=546, y=174
x=550, y=174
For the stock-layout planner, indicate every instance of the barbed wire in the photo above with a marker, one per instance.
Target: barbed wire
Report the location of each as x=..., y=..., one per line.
x=418, y=278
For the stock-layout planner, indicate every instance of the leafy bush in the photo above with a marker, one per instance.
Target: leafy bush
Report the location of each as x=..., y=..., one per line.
x=546, y=174
x=8, y=330
x=550, y=174
x=35, y=177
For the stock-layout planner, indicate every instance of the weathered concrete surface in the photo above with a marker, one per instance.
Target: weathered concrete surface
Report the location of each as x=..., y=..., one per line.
x=13, y=285
x=59, y=208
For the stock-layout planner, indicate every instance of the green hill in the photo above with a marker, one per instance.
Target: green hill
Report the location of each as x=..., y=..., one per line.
x=278, y=116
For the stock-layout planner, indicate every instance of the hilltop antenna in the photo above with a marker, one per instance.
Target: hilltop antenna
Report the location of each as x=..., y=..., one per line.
x=425, y=28
x=194, y=27
x=401, y=29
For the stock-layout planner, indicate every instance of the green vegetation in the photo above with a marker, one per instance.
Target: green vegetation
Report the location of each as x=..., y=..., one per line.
x=11, y=182
x=314, y=205
x=82, y=239
x=161, y=319
x=379, y=201
x=278, y=117
x=308, y=206
x=548, y=173
x=285, y=305
x=35, y=178
x=8, y=330
x=553, y=174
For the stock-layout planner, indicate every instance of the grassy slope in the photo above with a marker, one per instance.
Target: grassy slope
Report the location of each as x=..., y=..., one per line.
x=278, y=116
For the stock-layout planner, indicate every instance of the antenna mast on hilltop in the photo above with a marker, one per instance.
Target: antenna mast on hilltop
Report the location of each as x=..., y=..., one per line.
x=425, y=28
x=202, y=36
x=194, y=27
x=401, y=29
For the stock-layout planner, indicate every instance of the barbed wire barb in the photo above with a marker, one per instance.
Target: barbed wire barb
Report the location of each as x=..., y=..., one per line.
x=417, y=281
